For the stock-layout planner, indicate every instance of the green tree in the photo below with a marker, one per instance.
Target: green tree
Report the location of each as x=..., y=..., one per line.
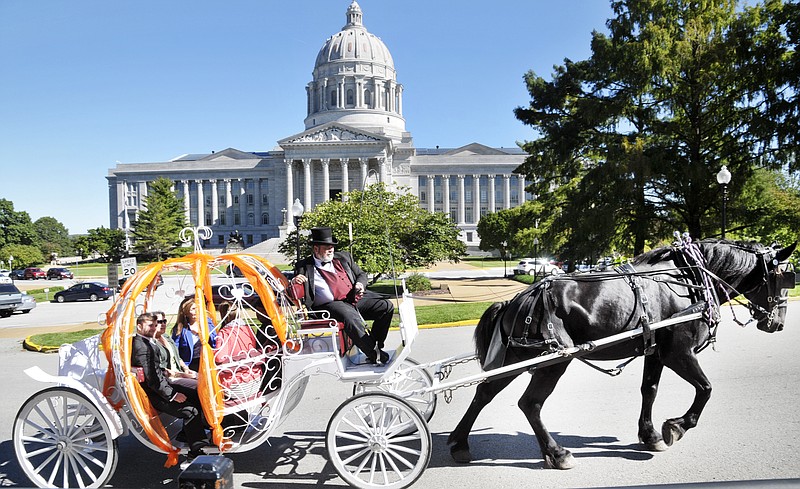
x=632, y=138
x=157, y=227
x=109, y=244
x=24, y=255
x=15, y=227
x=391, y=232
x=53, y=237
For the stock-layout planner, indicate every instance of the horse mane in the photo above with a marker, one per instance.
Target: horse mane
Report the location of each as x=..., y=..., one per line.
x=731, y=258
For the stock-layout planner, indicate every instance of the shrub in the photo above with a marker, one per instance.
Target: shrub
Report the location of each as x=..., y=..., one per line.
x=416, y=282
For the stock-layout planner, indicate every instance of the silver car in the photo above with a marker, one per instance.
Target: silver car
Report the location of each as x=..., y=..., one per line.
x=28, y=304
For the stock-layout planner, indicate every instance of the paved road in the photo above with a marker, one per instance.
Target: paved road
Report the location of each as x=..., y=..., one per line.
x=750, y=429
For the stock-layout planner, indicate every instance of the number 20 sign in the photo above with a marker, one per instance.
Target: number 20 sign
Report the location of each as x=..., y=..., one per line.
x=128, y=266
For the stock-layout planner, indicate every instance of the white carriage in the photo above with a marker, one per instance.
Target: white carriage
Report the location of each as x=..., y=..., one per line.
x=66, y=435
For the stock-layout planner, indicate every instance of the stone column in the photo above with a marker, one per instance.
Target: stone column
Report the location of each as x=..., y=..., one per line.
x=521, y=180
x=491, y=194
x=476, y=198
x=257, y=202
x=201, y=204
x=382, y=170
x=431, y=194
x=214, y=203
x=364, y=169
x=228, y=203
x=242, y=202
x=345, y=177
x=307, y=183
x=446, y=194
x=326, y=179
x=461, y=199
x=289, y=189
x=506, y=191
x=186, y=202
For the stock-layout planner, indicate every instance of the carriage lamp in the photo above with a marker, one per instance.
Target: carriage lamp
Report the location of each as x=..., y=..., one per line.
x=724, y=178
x=297, y=212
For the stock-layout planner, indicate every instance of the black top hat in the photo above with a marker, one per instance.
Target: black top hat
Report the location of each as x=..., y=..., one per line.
x=322, y=235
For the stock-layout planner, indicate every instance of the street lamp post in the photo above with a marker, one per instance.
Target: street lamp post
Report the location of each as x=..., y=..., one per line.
x=10, y=259
x=505, y=270
x=297, y=213
x=724, y=178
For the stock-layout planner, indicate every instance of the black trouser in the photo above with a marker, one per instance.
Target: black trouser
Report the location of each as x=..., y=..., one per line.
x=194, y=425
x=372, y=306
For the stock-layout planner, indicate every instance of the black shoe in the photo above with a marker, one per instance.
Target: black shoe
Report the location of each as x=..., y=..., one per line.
x=379, y=357
x=190, y=456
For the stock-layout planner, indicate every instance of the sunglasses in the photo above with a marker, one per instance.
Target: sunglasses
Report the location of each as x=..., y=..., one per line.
x=161, y=321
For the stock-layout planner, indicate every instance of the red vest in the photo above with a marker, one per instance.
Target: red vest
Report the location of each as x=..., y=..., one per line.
x=338, y=282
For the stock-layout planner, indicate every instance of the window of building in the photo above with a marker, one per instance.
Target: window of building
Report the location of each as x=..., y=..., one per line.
x=265, y=218
x=264, y=199
x=208, y=200
x=484, y=188
x=468, y=214
x=221, y=239
x=454, y=214
x=469, y=236
x=251, y=219
x=484, y=210
x=367, y=98
x=237, y=219
x=222, y=219
x=250, y=199
x=514, y=190
x=209, y=221
x=350, y=97
x=332, y=100
x=423, y=197
x=236, y=199
x=249, y=239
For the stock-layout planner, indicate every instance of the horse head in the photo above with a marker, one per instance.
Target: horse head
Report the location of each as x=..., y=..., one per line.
x=769, y=295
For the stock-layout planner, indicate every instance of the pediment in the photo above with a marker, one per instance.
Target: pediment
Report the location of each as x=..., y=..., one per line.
x=474, y=149
x=229, y=154
x=333, y=133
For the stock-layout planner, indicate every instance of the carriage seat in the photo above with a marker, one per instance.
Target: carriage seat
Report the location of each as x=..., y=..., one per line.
x=309, y=321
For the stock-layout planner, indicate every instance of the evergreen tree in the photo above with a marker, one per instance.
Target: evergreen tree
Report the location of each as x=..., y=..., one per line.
x=53, y=237
x=157, y=227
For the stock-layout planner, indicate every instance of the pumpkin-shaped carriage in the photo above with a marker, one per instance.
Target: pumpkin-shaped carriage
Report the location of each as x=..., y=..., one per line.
x=249, y=378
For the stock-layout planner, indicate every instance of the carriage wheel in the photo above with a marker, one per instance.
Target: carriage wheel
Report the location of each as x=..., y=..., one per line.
x=62, y=440
x=368, y=443
x=406, y=379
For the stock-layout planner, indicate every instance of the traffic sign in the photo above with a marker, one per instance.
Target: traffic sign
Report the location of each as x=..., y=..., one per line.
x=128, y=267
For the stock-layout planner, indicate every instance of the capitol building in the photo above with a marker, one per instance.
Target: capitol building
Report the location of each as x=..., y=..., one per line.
x=355, y=135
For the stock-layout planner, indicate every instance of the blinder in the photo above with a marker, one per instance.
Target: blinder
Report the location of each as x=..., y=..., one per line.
x=779, y=276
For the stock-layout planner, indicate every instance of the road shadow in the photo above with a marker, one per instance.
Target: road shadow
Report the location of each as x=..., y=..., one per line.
x=522, y=450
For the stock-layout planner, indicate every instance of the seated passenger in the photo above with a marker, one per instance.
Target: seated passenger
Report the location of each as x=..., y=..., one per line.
x=173, y=399
x=176, y=370
x=186, y=334
x=334, y=282
x=236, y=344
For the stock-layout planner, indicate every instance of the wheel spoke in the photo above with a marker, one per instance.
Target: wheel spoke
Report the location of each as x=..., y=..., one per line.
x=396, y=455
x=353, y=457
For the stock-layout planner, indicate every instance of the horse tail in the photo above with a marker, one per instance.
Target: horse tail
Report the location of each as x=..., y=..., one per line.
x=485, y=329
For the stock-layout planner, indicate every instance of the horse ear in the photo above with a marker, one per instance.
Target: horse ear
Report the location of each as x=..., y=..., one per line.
x=784, y=253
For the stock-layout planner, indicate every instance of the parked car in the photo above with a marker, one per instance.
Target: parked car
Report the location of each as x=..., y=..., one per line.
x=17, y=274
x=34, y=273
x=28, y=304
x=4, y=273
x=10, y=297
x=83, y=291
x=58, y=273
x=537, y=266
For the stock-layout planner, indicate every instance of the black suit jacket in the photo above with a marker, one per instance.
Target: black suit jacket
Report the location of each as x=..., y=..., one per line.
x=145, y=354
x=306, y=267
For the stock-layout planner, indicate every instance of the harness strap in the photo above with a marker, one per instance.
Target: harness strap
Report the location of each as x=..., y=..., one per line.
x=643, y=303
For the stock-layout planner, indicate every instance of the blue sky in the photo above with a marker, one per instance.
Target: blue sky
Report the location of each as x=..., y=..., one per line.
x=87, y=83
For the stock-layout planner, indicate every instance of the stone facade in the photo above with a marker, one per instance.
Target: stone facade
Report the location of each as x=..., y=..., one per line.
x=355, y=135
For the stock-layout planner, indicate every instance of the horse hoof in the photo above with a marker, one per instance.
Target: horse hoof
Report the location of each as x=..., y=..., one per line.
x=671, y=432
x=461, y=455
x=565, y=462
x=654, y=445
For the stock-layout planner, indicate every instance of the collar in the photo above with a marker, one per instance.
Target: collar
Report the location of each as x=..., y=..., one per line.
x=324, y=266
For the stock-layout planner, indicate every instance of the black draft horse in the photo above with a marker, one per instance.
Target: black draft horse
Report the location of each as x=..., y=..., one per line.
x=576, y=309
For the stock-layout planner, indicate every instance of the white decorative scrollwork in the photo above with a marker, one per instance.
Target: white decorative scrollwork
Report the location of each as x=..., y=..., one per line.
x=198, y=234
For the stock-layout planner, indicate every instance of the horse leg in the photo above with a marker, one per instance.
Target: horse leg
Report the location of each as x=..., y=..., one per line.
x=690, y=371
x=652, y=440
x=484, y=394
x=543, y=382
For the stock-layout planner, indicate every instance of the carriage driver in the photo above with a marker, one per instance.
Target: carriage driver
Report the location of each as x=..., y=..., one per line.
x=332, y=281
